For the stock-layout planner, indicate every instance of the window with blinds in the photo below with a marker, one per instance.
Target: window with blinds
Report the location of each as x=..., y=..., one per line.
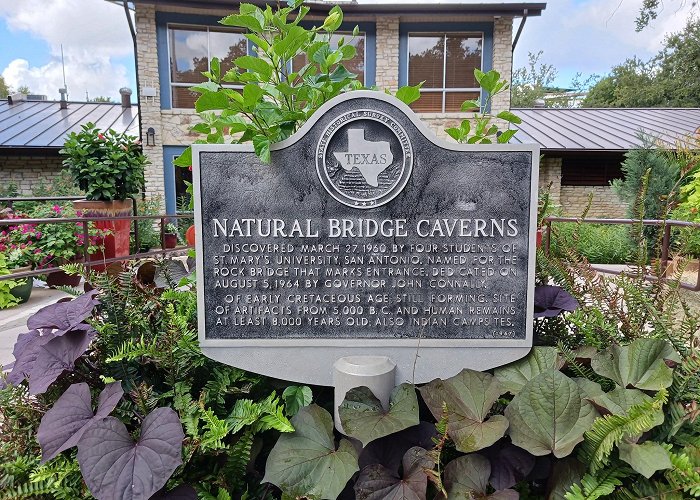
x=445, y=62
x=191, y=50
x=591, y=171
x=356, y=65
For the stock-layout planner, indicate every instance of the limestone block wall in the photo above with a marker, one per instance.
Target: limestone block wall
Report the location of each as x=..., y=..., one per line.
x=502, y=59
x=550, y=173
x=606, y=203
x=28, y=172
x=387, y=70
x=147, y=57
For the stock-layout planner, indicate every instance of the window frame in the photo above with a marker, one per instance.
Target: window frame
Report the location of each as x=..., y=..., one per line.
x=163, y=98
x=445, y=90
x=345, y=32
x=184, y=26
x=486, y=28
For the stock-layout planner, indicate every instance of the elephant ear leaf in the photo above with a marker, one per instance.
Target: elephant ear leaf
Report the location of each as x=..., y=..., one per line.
x=42, y=361
x=468, y=397
x=514, y=376
x=364, y=418
x=468, y=477
x=619, y=401
x=645, y=364
x=549, y=415
x=65, y=316
x=645, y=458
x=376, y=482
x=114, y=466
x=306, y=461
x=65, y=423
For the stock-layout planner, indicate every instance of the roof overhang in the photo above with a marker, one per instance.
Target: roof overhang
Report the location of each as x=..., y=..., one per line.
x=443, y=8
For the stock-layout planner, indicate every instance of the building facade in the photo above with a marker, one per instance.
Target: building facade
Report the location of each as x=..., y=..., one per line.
x=398, y=44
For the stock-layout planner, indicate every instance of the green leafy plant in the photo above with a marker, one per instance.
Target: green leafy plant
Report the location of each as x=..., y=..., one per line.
x=105, y=165
x=598, y=243
x=271, y=100
x=481, y=128
x=6, y=286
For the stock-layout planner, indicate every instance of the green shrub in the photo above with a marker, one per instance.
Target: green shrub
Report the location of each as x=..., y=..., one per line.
x=149, y=232
x=599, y=243
x=664, y=173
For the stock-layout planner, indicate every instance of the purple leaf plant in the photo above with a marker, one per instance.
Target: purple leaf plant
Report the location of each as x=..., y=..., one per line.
x=114, y=466
x=58, y=336
x=551, y=301
x=71, y=415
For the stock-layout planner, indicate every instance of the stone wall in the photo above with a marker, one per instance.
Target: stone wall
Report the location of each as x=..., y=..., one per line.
x=502, y=59
x=28, y=172
x=387, y=67
x=550, y=173
x=606, y=203
x=573, y=200
x=147, y=57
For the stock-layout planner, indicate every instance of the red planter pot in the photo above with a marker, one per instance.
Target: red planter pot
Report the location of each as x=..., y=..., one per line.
x=170, y=240
x=115, y=244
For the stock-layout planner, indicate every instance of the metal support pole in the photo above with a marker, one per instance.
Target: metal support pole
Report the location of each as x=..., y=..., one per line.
x=666, y=242
x=86, y=245
x=378, y=373
x=137, y=239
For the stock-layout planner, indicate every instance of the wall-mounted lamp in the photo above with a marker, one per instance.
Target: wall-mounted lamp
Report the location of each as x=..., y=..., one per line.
x=151, y=136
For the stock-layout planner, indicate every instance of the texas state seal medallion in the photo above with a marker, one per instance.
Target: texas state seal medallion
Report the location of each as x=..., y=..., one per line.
x=364, y=158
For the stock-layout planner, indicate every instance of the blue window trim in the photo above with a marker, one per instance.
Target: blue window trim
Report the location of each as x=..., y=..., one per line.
x=162, y=21
x=165, y=18
x=464, y=27
x=370, y=31
x=169, y=154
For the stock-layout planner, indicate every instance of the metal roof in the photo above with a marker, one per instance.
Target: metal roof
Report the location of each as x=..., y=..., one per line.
x=603, y=129
x=43, y=124
x=400, y=8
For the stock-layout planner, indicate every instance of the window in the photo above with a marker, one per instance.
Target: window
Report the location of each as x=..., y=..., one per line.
x=191, y=50
x=355, y=65
x=445, y=62
x=591, y=170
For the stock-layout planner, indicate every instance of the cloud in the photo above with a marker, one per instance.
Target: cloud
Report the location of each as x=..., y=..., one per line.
x=591, y=36
x=95, y=38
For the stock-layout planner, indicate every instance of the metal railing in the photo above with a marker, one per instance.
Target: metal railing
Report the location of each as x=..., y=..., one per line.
x=85, y=222
x=667, y=226
x=9, y=202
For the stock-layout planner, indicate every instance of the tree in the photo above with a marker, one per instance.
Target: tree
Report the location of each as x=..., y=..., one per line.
x=100, y=98
x=664, y=172
x=535, y=82
x=531, y=82
x=23, y=89
x=649, y=11
x=4, y=88
x=671, y=78
x=632, y=84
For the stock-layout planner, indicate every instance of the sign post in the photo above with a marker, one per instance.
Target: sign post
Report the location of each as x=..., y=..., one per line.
x=365, y=236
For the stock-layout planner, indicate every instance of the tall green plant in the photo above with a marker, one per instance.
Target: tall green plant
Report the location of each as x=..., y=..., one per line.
x=106, y=165
x=274, y=100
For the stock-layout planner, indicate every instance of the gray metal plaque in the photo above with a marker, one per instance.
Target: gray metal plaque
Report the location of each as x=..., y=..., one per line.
x=366, y=235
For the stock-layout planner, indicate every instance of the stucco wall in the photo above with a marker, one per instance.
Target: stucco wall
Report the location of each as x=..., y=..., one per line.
x=28, y=172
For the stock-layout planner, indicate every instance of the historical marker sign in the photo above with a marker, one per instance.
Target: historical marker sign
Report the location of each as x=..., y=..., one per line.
x=366, y=235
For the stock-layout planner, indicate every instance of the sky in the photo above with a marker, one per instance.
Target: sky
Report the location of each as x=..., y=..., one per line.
x=587, y=36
